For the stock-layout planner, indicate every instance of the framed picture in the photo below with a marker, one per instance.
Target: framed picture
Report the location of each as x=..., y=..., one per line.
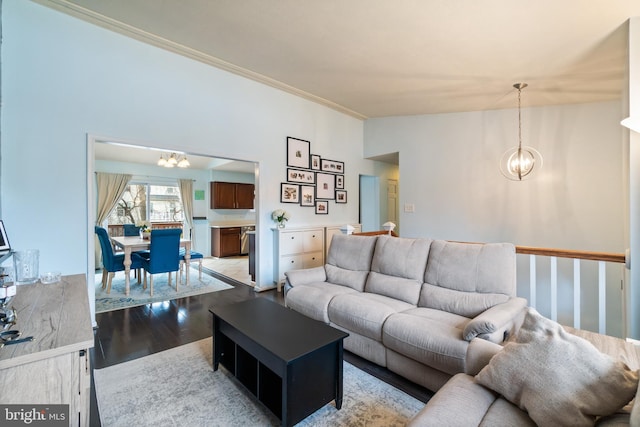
x=341, y=196
x=322, y=207
x=4, y=240
x=298, y=155
x=302, y=176
x=325, y=186
x=289, y=193
x=315, y=162
x=340, y=182
x=307, y=195
x=331, y=166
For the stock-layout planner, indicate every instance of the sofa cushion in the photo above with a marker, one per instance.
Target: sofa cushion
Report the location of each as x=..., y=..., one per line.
x=468, y=304
x=557, y=377
x=431, y=337
x=351, y=252
x=364, y=313
x=401, y=257
x=351, y=278
x=397, y=268
x=313, y=299
x=407, y=290
x=468, y=278
x=349, y=260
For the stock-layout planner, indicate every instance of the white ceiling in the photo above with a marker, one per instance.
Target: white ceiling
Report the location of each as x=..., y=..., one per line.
x=149, y=156
x=374, y=58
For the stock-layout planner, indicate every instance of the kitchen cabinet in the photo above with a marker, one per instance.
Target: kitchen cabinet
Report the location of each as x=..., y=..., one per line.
x=295, y=249
x=231, y=195
x=225, y=241
x=54, y=368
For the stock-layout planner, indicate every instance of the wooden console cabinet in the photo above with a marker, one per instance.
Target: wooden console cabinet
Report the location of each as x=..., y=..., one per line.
x=295, y=249
x=231, y=195
x=54, y=368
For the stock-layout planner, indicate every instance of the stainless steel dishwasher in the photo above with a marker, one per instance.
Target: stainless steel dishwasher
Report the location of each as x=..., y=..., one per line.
x=244, y=238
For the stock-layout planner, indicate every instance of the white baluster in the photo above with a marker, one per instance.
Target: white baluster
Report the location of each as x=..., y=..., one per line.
x=554, y=289
x=576, y=293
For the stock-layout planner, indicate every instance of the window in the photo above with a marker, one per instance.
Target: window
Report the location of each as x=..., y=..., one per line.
x=148, y=202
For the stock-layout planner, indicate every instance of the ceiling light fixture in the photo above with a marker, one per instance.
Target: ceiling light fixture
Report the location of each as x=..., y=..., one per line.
x=173, y=160
x=519, y=162
x=184, y=163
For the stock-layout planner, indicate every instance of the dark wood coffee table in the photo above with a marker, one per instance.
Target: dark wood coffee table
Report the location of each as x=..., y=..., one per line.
x=291, y=363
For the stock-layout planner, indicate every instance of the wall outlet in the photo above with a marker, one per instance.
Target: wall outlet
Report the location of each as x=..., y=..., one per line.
x=409, y=207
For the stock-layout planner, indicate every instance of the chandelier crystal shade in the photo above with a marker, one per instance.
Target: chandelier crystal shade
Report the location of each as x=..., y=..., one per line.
x=518, y=163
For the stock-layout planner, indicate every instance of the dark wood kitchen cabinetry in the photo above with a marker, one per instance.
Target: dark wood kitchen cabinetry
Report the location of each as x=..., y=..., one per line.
x=225, y=241
x=231, y=195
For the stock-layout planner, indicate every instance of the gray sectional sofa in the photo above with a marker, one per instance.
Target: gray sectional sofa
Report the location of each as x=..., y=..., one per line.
x=547, y=375
x=412, y=305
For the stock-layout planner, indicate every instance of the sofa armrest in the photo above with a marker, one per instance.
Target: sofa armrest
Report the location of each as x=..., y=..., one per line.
x=306, y=276
x=479, y=353
x=498, y=322
x=460, y=402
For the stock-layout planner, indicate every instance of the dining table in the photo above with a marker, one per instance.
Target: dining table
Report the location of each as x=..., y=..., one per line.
x=131, y=244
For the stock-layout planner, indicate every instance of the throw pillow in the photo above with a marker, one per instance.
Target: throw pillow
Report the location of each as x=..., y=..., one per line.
x=558, y=378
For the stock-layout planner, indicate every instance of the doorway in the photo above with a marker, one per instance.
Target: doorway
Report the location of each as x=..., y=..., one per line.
x=370, y=203
x=142, y=162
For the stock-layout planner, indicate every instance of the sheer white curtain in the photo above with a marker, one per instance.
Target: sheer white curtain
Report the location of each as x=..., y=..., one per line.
x=186, y=195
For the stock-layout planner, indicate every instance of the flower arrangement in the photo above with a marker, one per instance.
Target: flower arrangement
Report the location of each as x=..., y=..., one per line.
x=144, y=226
x=280, y=216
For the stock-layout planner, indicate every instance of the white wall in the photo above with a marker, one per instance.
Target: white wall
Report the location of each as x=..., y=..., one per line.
x=449, y=169
x=63, y=78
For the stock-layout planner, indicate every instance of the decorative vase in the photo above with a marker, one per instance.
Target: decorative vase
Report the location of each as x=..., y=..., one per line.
x=281, y=224
x=146, y=235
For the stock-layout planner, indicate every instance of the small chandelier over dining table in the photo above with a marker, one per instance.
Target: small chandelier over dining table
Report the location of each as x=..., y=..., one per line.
x=174, y=160
x=519, y=162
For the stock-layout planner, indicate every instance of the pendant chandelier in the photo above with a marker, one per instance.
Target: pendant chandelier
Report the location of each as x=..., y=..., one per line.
x=519, y=162
x=172, y=160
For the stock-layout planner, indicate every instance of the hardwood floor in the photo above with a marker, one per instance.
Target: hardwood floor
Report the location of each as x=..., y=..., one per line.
x=135, y=332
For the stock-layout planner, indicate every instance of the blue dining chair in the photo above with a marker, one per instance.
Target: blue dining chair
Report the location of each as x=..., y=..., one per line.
x=163, y=256
x=111, y=262
x=131, y=230
x=193, y=256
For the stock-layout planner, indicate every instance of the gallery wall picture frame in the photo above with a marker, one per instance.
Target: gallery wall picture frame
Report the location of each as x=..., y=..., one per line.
x=340, y=182
x=298, y=153
x=307, y=195
x=4, y=240
x=315, y=162
x=301, y=176
x=322, y=207
x=325, y=186
x=289, y=193
x=341, y=196
x=333, y=166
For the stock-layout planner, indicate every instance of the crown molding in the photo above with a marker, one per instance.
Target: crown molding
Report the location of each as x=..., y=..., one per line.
x=95, y=18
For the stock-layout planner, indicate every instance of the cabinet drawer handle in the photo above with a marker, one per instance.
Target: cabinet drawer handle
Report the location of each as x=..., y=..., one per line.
x=293, y=237
x=313, y=259
x=293, y=262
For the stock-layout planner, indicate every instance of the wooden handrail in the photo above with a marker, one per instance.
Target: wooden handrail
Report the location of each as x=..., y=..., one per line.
x=375, y=233
x=567, y=253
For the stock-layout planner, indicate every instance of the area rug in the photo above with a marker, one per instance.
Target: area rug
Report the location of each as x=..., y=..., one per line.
x=178, y=387
x=116, y=299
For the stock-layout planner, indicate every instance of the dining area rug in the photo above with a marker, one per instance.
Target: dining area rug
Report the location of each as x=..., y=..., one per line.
x=178, y=387
x=116, y=299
